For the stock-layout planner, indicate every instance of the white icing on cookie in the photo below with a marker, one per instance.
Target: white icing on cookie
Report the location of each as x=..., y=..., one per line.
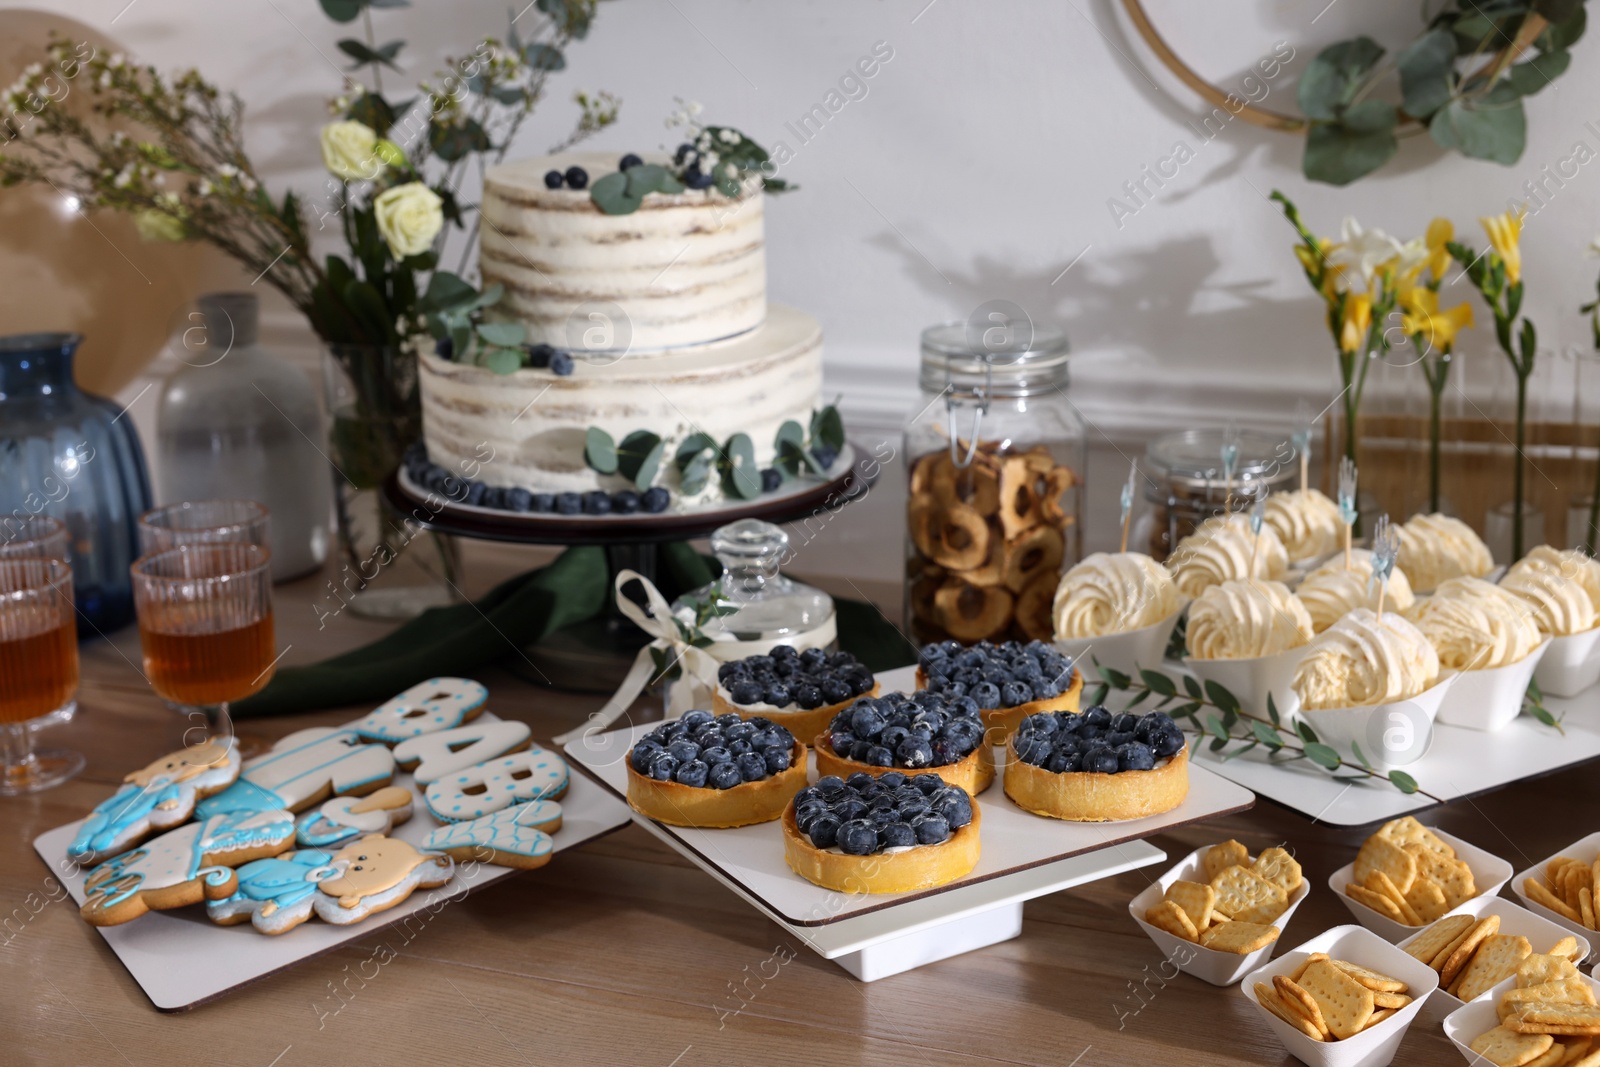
x=196, y=850
x=520, y=831
x=534, y=774
x=453, y=751
x=303, y=766
x=425, y=708
x=156, y=797
x=342, y=819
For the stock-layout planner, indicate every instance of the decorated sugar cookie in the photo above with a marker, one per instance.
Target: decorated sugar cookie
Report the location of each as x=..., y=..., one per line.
x=343, y=819
x=512, y=837
x=532, y=774
x=302, y=769
x=344, y=887
x=156, y=797
x=425, y=708
x=453, y=751
x=183, y=865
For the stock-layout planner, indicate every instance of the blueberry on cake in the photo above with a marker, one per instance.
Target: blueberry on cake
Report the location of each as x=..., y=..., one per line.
x=1008, y=681
x=915, y=734
x=887, y=834
x=1096, y=766
x=715, y=771
x=800, y=690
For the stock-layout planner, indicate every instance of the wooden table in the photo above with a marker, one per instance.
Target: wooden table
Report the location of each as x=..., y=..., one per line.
x=620, y=952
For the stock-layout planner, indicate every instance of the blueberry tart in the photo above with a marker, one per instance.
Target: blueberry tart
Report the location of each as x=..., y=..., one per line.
x=1008, y=681
x=888, y=834
x=914, y=734
x=1096, y=767
x=800, y=690
x=715, y=771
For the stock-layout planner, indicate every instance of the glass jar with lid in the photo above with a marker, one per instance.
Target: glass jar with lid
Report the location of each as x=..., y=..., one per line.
x=763, y=606
x=1185, y=482
x=995, y=452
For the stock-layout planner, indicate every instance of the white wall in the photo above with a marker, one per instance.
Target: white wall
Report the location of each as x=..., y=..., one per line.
x=980, y=164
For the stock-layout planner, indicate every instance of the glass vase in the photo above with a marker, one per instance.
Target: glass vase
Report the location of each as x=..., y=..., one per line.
x=389, y=567
x=73, y=456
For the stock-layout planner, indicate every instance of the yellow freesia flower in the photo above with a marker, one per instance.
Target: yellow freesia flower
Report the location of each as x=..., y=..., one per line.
x=1440, y=231
x=1505, y=234
x=1357, y=321
x=1420, y=314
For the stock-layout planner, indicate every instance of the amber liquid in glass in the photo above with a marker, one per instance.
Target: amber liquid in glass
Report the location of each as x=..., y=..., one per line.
x=208, y=668
x=38, y=674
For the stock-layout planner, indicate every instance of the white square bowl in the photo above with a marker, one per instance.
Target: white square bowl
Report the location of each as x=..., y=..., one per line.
x=1541, y=933
x=1570, y=665
x=1396, y=734
x=1125, y=652
x=1586, y=850
x=1206, y=964
x=1489, y=873
x=1464, y=1025
x=1250, y=680
x=1489, y=699
x=1374, y=1047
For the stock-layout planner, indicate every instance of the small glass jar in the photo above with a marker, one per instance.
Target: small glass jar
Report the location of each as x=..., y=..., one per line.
x=1185, y=482
x=766, y=607
x=994, y=504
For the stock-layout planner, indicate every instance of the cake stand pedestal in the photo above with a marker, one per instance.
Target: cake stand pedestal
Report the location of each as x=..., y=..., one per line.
x=594, y=655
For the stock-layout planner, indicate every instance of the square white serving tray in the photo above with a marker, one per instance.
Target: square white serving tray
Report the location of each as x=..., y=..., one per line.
x=751, y=857
x=1460, y=763
x=181, y=959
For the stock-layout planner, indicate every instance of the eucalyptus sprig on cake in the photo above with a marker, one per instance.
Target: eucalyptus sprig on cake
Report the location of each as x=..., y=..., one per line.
x=1229, y=724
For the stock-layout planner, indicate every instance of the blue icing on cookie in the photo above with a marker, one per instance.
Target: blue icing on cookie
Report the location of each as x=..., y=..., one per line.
x=444, y=703
x=285, y=880
x=513, y=830
x=533, y=774
x=178, y=855
x=241, y=796
x=113, y=816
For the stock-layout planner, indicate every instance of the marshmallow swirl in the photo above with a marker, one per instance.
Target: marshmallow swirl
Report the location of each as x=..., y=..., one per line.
x=1363, y=660
x=1245, y=620
x=1221, y=550
x=1307, y=523
x=1435, y=548
x=1330, y=592
x=1112, y=593
x=1476, y=625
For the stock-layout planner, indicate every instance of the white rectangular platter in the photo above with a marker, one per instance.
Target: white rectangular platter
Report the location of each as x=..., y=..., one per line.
x=1460, y=763
x=750, y=858
x=181, y=959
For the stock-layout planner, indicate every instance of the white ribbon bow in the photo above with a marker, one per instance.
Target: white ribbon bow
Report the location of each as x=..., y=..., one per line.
x=694, y=689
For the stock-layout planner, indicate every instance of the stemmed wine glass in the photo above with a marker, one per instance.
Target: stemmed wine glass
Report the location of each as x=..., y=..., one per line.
x=38, y=670
x=205, y=625
x=39, y=537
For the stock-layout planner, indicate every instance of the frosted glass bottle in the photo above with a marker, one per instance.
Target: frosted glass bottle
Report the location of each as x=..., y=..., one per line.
x=240, y=422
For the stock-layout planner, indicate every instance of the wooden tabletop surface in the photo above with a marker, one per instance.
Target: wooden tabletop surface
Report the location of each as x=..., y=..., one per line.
x=621, y=952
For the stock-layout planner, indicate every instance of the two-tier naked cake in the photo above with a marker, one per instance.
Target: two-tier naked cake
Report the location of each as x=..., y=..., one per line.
x=664, y=313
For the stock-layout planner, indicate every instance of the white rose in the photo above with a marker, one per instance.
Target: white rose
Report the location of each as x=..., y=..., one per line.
x=348, y=150
x=409, y=218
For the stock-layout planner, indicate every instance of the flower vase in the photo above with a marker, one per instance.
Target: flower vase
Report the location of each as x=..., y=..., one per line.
x=389, y=567
x=71, y=455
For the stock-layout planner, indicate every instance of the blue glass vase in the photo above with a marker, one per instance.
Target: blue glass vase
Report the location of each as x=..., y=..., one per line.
x=66, y=453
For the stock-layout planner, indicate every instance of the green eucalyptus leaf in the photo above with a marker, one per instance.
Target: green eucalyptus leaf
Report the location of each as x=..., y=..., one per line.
x=1427, y=69
x=370, y=109
x=1403, y=781
x=1191, y=684
x=1334, y=75
x=1557, y=10
x=543, y=57
x=1322, y=755
x=365, y=55
x=600, y=451
x=649, y=467
x=634, y=450
x=611, y=195
x=1221, y=697
x=1214, y=726
x=1560, y=36
x=1272, y=711
x=1158, y=682
x=1113, y=677
x=1218, y=744
x=1493, y=127
x=1306, y=733
x=1098, y=694
x=1266, y=734
x=456, y=140
x=693, y=447
x=1361, y=757
x=790, y=431
x=692, y=477
x=827, y=428
x=502, y=333
x=342, y=10
x=503, y=360
x=1139, y=698
x=648, y=178
x=1529, y=76
x=740, y=475
x=1187, y=711
x=1360, y=142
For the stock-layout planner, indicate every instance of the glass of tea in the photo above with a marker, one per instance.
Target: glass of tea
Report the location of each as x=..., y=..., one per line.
x=205, y=625
x=38, y=537
x=38, y=670
x=195, y=522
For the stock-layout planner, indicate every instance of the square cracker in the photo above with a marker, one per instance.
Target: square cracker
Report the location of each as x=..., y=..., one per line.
x=1301, y=1001
x=1437, y=937
x=1244, y=895
x=1308, y=961
x=1278, y=867
x=1168, y=916
x=1219, y=858
x=1195, y=899
x=1554, y=1018
x=1345, y=1003
x=1538, y=969
x=1267, y=998
x=1239, y=936
x=1540, y=893
x=1572, y=991
x=1379, y=882
x=1451, y=969
x=1381, y=854
x=1376, y=901
x=1507, y=1048
x=1452, y=876
x=1496, y=960
x=1567, y=946
x=1391, y=1001
x=1427, y=900
x=1373, y=980
x=1410, y=834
